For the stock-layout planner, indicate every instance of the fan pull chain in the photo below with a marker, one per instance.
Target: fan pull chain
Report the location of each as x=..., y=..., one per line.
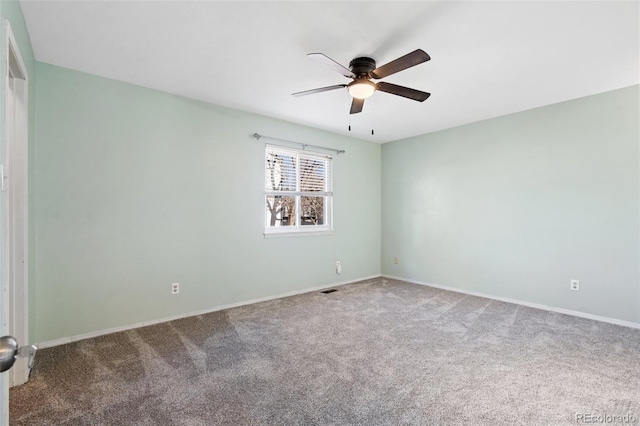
x=348, y=104
x=371, y=102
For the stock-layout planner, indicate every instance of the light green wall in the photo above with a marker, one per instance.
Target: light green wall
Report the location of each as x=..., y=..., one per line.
x=138, y=189
x=519, y=205
x=10, y=12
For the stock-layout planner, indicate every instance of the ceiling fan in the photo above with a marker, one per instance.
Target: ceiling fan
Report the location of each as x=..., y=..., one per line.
x=362, y=70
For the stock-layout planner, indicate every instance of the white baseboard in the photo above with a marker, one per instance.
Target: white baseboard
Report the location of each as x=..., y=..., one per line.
x=75, y=338
x=70, y=339
x=521, y=302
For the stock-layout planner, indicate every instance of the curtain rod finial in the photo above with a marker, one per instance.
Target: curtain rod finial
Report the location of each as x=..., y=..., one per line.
x=257, y=135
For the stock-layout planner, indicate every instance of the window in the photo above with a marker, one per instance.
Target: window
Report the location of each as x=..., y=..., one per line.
x=298, y=191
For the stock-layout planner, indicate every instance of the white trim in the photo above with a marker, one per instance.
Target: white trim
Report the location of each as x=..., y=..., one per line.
x=64, y=340
x=522, y=303
x=70, y=339
x=15, y=162
x=12, y=41
x=298, y=229
x=281, y=234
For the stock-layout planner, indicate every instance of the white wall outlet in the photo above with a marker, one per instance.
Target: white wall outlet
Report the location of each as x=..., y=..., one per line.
x=575, y=285
x=396, y=260
x=175, y=288
x=338, y=267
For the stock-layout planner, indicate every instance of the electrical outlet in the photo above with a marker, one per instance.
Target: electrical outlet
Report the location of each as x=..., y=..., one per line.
x=396, y=260
x=338, y=267
x=575, y=285
x=175, y=288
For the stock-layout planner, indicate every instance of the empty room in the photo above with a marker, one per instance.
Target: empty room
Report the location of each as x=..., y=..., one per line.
x=319, y=213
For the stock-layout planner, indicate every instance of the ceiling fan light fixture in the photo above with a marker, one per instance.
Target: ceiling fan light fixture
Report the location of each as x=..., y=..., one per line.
x=361, y=88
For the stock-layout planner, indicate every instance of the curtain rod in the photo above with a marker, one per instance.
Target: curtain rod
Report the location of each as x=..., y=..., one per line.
x=304, y=145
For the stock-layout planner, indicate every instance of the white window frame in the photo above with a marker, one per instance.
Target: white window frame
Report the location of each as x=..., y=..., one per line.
x=300, y=230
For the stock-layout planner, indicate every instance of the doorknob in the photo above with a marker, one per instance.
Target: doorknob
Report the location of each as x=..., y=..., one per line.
x=9, y=351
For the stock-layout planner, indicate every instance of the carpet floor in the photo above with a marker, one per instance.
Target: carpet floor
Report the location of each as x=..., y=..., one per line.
x=377, y=352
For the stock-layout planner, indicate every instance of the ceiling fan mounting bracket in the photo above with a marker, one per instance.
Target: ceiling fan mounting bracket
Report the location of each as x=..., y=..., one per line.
x=362, y=67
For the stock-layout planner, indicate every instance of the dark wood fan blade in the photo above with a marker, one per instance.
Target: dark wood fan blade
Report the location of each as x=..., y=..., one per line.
x=356, y=106
x=407, y=61
x=405, y=92
x=319, y=90
x=322, y=58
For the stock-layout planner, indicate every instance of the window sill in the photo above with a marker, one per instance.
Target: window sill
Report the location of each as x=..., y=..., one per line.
x=296, y=234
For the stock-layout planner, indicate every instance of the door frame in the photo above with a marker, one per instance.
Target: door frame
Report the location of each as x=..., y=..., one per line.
x=14, y=167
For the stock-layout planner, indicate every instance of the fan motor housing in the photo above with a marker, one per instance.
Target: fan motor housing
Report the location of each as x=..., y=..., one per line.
x=362, y=66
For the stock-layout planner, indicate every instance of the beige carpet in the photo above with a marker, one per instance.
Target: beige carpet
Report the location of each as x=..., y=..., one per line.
x=380, y=352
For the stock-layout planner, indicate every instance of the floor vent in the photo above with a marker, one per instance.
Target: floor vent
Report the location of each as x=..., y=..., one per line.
x=329, y=291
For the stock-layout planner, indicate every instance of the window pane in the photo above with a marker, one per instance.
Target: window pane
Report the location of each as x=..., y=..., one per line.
x=312, y=210
x=298, y=190
x=280, y=171
x=312, y=174
x=281, y=210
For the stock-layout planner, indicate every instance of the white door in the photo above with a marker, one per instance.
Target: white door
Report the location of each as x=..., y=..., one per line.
x=13, y=214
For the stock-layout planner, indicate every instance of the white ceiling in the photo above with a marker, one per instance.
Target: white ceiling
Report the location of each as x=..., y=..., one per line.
x=489, y=58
